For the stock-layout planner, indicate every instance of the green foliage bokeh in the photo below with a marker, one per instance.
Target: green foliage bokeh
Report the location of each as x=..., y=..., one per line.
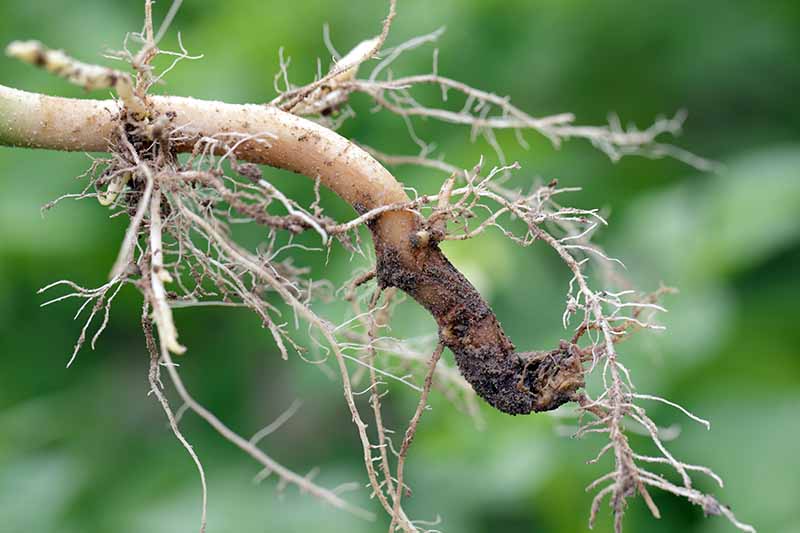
x=86, y=450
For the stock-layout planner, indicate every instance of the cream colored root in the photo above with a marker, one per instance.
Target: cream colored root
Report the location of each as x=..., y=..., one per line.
x=37, y=121
x=90, y=77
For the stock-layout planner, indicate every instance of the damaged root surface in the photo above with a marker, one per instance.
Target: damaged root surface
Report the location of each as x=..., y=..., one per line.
x=514, y=383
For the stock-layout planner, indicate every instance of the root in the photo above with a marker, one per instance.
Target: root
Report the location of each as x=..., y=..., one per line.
x=90, y=77
x=179, y=233
x=250, y=447
x=467, y=324
x=470, y=329
x=155, y=387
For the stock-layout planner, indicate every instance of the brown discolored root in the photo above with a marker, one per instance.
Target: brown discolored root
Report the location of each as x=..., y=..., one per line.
x=514, y=383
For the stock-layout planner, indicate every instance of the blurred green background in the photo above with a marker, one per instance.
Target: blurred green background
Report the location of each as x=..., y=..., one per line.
x=86, y=450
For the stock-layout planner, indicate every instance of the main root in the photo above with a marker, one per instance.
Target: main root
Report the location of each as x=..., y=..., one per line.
x=178, y=249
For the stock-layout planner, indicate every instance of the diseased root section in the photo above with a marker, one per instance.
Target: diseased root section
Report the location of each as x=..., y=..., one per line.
x=552, y=377
x=512, y=383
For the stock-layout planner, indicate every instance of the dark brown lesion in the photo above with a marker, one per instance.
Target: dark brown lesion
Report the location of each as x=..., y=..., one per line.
x=514, y=383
